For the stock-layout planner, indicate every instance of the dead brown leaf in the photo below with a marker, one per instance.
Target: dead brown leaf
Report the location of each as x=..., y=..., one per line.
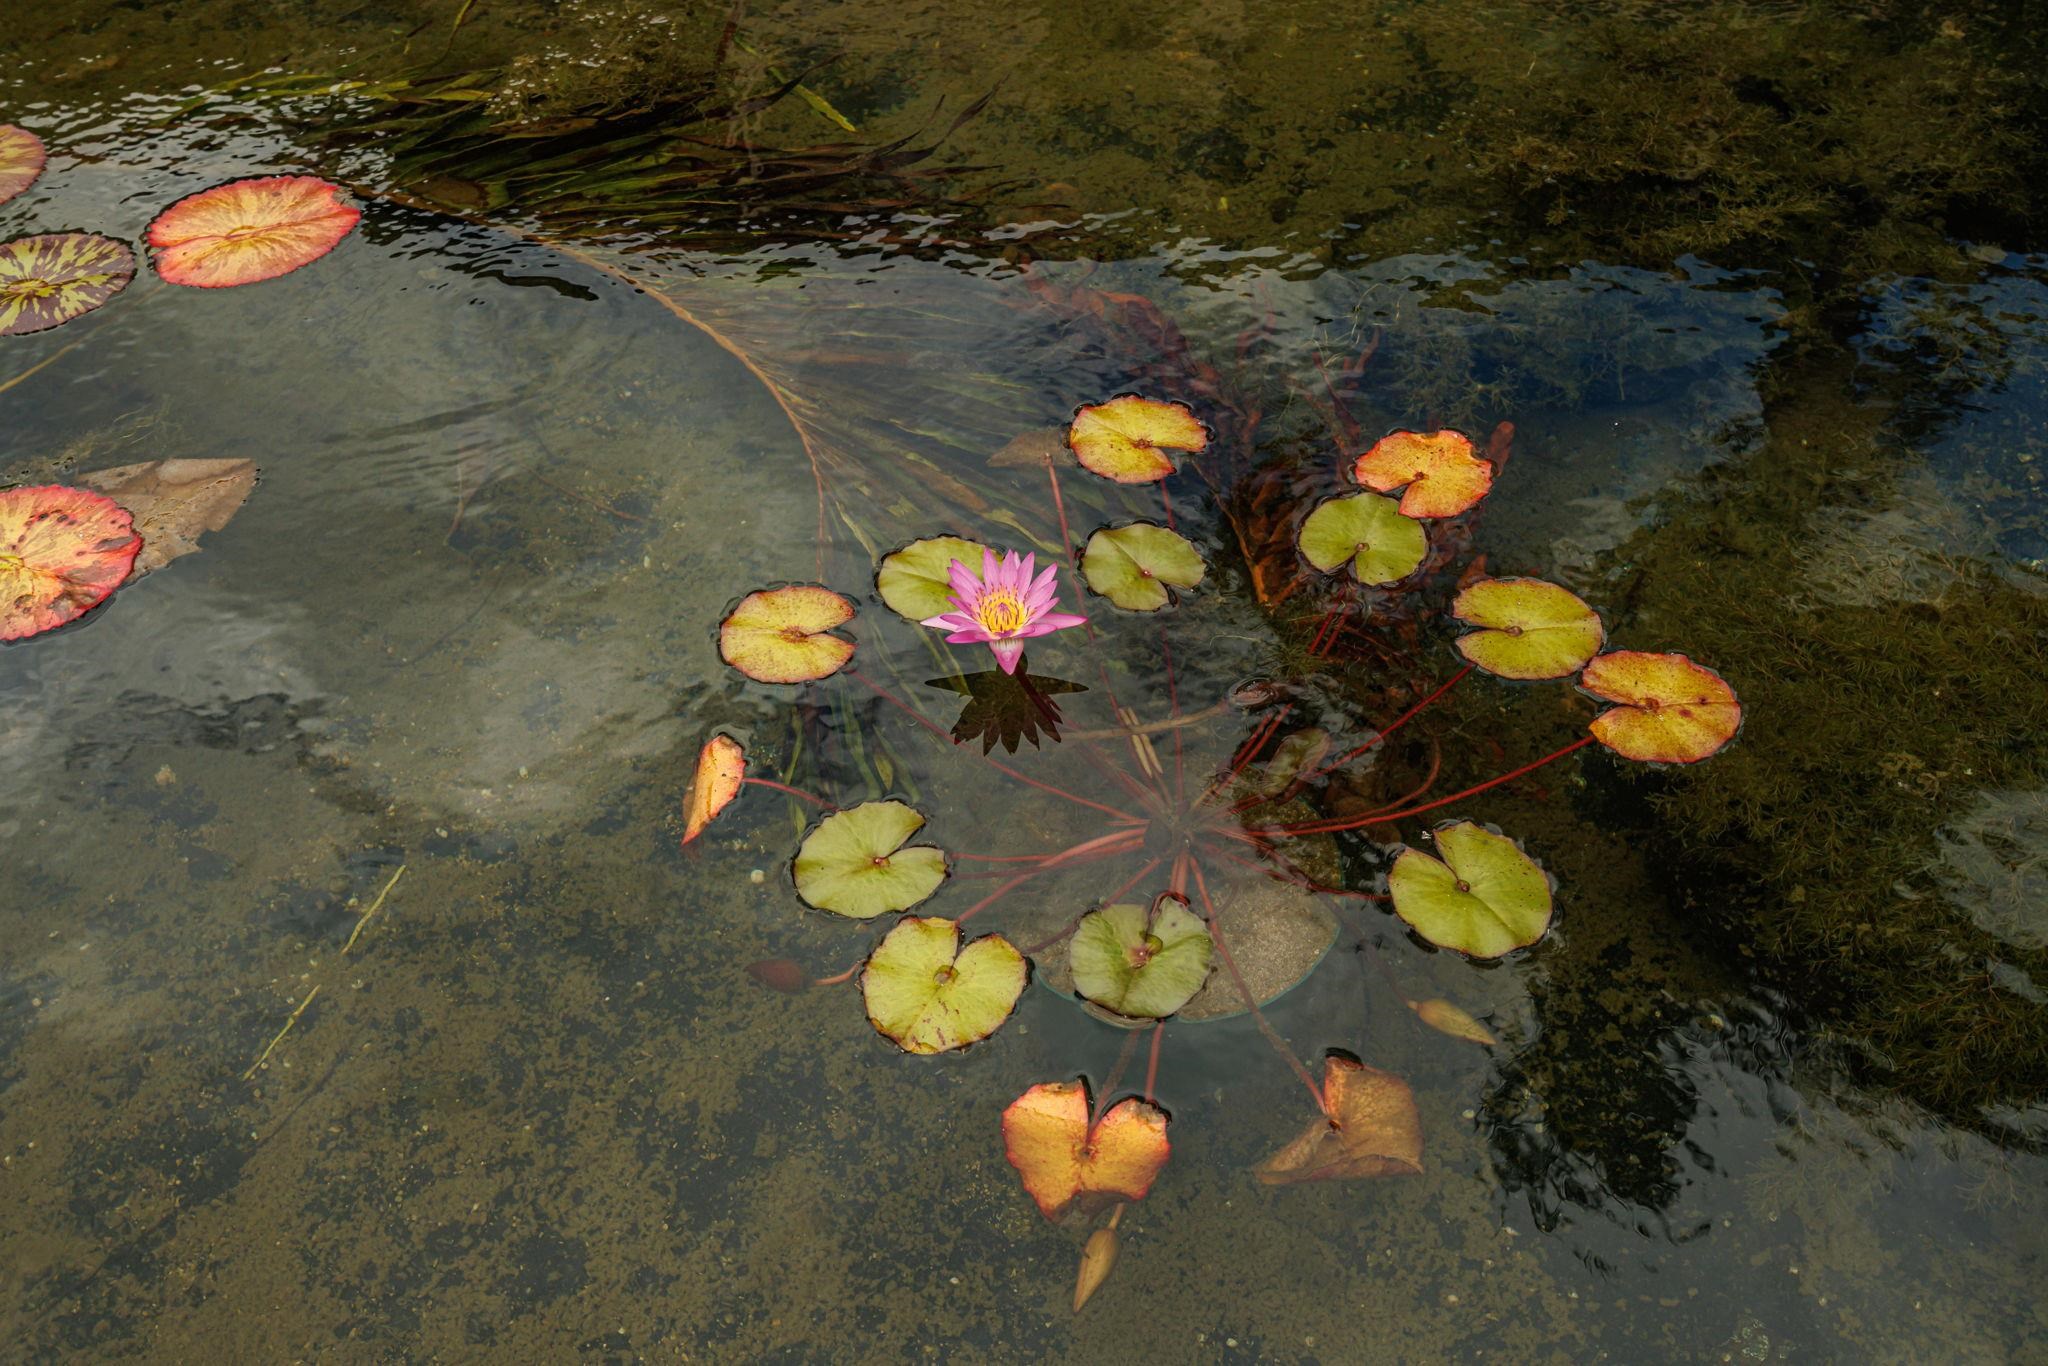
x=1030, y=450
x=1370, y=1127
x=174, y=502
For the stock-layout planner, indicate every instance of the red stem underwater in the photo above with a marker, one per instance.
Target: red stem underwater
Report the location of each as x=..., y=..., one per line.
x=1379, y=817
x=1258, y=1018
x=1403, y=719
x=771, y=784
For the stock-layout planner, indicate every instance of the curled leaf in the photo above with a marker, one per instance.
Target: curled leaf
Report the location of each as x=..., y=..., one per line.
x=930, y=995
x=1139, y=970
x=1446, y=1018
x=916, y=581
x=49, y=279
x=1442, y=475
x=1484, y=897
x=778, y=635
x=21, y=160
x=63, y=551
x=175, y=502
x=854, y=862
x=1133, y=565
x=1383, y=545
x=1672, y=710
x=1047, y=1138
x=1369, y=1127
x=1531, y=629
x=1126, y=439
x=249, y=230
x=721, y=768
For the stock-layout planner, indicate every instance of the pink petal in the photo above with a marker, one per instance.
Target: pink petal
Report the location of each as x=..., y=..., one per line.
x=1007, y=653
x=975, y=637
x=1045, y=578
x=962, y=578
x=950, y=621
x=988, y=566
x=1060, y=621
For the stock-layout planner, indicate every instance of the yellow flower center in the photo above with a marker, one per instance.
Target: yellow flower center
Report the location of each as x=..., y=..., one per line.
x=1000, y=611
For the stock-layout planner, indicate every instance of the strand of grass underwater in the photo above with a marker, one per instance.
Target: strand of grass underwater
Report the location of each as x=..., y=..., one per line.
x=47, y=361
x=1258, y=1016
x=1377, y=817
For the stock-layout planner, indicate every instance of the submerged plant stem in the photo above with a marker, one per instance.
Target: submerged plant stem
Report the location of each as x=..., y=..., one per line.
x=364, y=919
x=1258, y=1017
x=1377, y=817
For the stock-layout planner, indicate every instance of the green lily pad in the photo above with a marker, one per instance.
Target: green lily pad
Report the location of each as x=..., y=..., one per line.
x=853, y=862
x=1484, y=897
x=930, y=995
x=1368, y=530
x=914, y=581
x=1133, y=565
x=1144, y=973
x=1532, y=629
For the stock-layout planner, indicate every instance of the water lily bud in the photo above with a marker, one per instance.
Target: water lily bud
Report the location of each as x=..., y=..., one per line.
x=1097, y=1260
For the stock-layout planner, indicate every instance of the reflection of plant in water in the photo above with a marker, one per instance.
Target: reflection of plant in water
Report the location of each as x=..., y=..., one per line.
x=1173, y=838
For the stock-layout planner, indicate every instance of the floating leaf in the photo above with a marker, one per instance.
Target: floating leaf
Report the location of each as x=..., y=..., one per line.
x=51, y=278
x=1098, y=1259
x=1005, y=708
x=916, y=581
x=930, y=995
x=1048, y=1140
x=1133, y=565
x=1484, y=897
x=1139, y=970
x=1369, y=1127
x=21, y=160
x=1532, y=629
x=777, y=635
x=249, y=230
x=1442, y=475
x=1446, y=1018
x=1034, y=449
x=1368, y=530
x=721, y=768
x=853, y=862
x=1673, y=711
x=1126, y=438
x=63, y=552
x=175, y=502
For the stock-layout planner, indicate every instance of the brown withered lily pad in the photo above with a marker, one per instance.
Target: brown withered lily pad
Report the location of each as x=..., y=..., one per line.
x=175, y=502
x=1369, y=1127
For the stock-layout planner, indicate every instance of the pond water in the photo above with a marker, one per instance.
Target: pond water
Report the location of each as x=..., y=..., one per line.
x=358, y=999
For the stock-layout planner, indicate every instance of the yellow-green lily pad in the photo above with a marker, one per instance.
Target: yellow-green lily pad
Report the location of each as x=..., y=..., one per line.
x=1143, y=971
x=1134, y=565
x=1383, y=546
x=916, y=581
x=930, y=995
x=855, y=863
x=1483, y=897
x=779, y=635
x=1532, y=629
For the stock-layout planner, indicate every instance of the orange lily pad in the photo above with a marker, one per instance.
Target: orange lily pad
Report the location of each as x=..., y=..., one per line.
x=1441, y=472
x=21, y=160
x=63, y=551
x=721, y=768
x=778, y=635
x=1048, y=1140
x=249, y=230
x=1672, y=710
x=1369, y=1127
x=1530, y=629
x=1126, y=439
x=53, y=277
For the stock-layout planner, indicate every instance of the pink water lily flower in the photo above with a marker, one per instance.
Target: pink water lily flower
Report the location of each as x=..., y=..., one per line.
x=1002, y=608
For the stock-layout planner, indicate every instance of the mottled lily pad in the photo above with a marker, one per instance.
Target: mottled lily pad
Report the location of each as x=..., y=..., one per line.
x=778, y=635
x=249, y=230
x=1441, y=473
x=930, y=995
x=915, y=582
x=1383, y=545
x=1532, y=629
x=1126, y=439
x=721, y=768
x=63, y=551
x=21, y=160
x=1673, y=711
x=1483, y=897
x=1134, y=565
x=854, y=862
x=1138, y=970
x=50, y=278
x=1369, y=1127
x=1047, y=1137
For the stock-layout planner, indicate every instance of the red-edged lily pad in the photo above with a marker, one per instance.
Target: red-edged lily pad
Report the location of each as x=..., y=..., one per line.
x=1530, y=629
x=1369, y=1127
x=63, y=551
x=1047, y=1137
x=930, y=995
x=53, y=277
x=249, y=230
x=721, y=768
x=1483, y=897
x=1126, y=439
x=778, y=635
x=21, y=160
x=1672, y=710
x=1441, y=472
